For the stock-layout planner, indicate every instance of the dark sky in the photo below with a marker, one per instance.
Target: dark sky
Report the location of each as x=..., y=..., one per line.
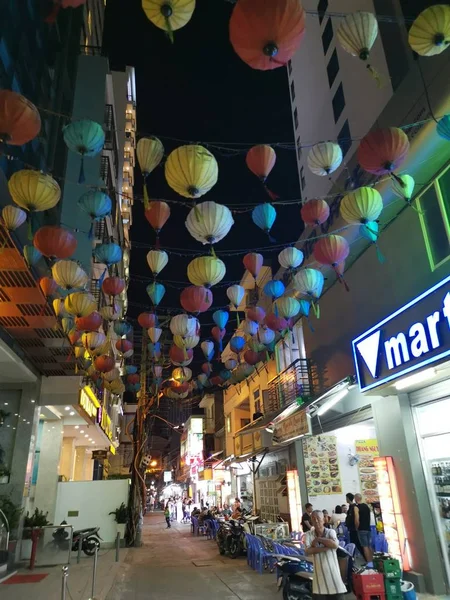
x=198, y=89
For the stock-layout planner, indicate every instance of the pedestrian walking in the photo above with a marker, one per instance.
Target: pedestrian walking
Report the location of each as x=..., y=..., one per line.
x=350, y=522
x=362, y=523
x=167, y=516
x=306, y=518
x=322, y=545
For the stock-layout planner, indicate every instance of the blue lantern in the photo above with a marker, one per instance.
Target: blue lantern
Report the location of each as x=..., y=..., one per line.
x=220, y=318
x=369, y=231
x=130, y=369
x=121, y=328
x=225, y=374
x=237, y=343
x=274, y=288
x=443, y=128
x=108, y=254
x=86, y=138
x=264, y=216
x=156, y=292
x=97, y=205
x=31, y=255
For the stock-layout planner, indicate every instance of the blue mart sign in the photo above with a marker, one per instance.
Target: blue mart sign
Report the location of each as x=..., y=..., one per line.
x=416, y=335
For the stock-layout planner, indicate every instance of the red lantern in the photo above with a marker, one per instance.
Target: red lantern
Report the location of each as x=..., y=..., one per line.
x=90, y=323
x=48, y=286
x=206, y=368
x=332, y=250
x=261, y=160
x=74, y=336
x=157, y=214
x=123, y=346
x=113, y=286
x=104, y=363
x=133, y=378
x=20, y=121
x=251, y=357
x=382, y=151
x=275, y=323
x=217, y=380
x=256, y=313
x=315, y=212
x=55, y=242
x=196, y=299
x=266, y=33
x=147, y=320
x=253, y=262
x=179, y=388
x=218, y=334
x=263, y=355
x=179, y=355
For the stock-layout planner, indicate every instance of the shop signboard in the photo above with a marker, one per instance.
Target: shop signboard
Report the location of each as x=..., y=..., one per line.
x=295, y=426
x=100, y=455
x=322, y=465
x=205, y=475
x=167, y=476
x=394, y=528
x=89, y=403
x=415, y=335
x=367, y=450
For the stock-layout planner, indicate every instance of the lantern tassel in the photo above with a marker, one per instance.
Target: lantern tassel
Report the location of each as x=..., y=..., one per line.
x=91, y=231
x=380, y=256
x=316, y=309
x=100, y=281
x=81, y=176
x=157, y=244
x=310, y=324
x=29, y=228
x=271, y=194
x=272, y=240
x=169, y=30
x=341, y=279
x=146, y=199
x=213, y=253
x=376, y=76
x=238, y=319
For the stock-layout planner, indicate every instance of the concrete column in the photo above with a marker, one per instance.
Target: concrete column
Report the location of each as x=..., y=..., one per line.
x=88, y=470
x=67, y=461
x=80, y=458
x=49, y=459
x=397, y=438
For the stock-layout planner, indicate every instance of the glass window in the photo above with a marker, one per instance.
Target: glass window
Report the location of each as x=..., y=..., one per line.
x=327, y=36
x=434, y=204
x=333, y=67
x=292, y=91
x=344, y=138
x=321, y=9
x=296, y=118
x=338, y=103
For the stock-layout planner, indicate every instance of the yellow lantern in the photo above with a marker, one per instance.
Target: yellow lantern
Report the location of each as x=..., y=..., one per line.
x=115, y=387
x=430, y=33
x=58, y=308
x=361, y=206
x=111, y=312
x=79, y=352
x=34, y=191
x=169, y=15
x=150, y=152
x=69, y=275
x=13, y=217
x=182, y=374
x=286, y=307
x=157, y=260
x=206, y=271
x=93, y=340
x=80, y=304
x=185, y=343
x=191, y=171
x=357, y=33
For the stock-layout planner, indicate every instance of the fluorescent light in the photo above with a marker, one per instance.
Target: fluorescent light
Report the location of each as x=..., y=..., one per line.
x=81, y=430
x=67, y=408
x=269, y=429
x=413, y=379
x=72, y=412
x=331, y=402
x=77, y=427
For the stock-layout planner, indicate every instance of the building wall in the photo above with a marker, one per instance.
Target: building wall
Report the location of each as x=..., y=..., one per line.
x=49, y=462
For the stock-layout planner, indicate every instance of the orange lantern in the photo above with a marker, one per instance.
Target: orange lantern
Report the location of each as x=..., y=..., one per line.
x=253, y=262
x=124, y=346
x=147, y=320
x=261, y=160
x=113, y=286
x=104, y=363
x=196, y=299
x=19, y=119
x=55, y=242
x=382, y=151
x=315, y=212
x=332, y=250
x=157, y=214
x=90, y=323
x=48, y=286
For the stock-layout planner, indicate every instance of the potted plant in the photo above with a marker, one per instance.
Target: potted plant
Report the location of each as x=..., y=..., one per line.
x=33, y=522
x=121, y=517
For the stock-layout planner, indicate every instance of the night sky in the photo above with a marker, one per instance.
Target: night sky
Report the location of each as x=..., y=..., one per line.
x=199, y=90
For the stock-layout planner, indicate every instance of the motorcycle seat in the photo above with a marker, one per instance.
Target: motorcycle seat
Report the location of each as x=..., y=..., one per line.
x=303, y=575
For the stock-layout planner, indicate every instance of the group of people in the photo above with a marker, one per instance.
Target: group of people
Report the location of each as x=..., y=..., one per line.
x=203, y=513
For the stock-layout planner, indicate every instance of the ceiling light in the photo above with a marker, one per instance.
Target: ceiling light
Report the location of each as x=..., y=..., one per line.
x=331, y=402
x=414, y=379
x=33, y=401
x=93, y=442
x=81, y=430
x=24, y=420
x=67, y=408
x=5, y=403
x=77, y=427
x=86, y=435
x=72, y=412
x=16, y=414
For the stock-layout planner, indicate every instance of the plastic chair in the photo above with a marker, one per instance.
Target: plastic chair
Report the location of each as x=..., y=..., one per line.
x=264, y=558
x=194, y=525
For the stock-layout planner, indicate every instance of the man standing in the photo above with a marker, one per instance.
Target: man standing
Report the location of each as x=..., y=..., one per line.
x=321, y=544
x=350, y=522
x=306, y=518
x=362, y=522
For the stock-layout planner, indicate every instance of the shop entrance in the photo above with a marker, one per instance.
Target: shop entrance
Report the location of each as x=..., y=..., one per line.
x=433, y=428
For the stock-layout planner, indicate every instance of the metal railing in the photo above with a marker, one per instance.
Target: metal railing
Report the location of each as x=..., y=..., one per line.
x=292, y=384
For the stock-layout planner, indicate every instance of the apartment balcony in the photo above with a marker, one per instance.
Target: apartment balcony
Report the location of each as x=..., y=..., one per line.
x=294, y=384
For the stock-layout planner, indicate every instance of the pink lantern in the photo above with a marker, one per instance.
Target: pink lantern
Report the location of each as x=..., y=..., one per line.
x=256, y=313
x=332, y=250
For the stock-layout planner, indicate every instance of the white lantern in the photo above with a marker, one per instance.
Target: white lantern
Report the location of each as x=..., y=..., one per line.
x=209, y=222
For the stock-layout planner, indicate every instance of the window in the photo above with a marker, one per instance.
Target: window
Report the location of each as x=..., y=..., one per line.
x=321, y=9
x=296, y=118
x=289, y=66
x=228, y=423
x=299, y=148
x=434, y=204
x=292, y=91
x=333, y=67
x=327, y=36
x=344, y=138
x=338, y=103
x=302, y=179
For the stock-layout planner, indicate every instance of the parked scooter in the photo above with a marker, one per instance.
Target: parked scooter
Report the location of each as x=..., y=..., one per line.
x=89, y=539
x=294, y=577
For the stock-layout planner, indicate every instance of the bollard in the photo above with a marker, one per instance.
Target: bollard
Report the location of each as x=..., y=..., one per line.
x=79, y=548
x=65, y=574
x=117, y=546
x=94, y=573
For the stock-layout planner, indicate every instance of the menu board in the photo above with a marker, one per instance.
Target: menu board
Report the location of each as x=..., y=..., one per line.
x=367, y=450
x=322, y=465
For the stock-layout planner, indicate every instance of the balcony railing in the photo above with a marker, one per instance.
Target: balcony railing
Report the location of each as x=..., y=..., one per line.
x=293, y=384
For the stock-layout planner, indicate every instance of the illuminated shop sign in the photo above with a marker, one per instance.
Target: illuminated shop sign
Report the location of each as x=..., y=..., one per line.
x=415, y=335
x=89, y=402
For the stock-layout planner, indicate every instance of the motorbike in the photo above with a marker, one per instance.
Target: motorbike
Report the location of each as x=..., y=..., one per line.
x=89, y=539
x=231, y=535
x=294, y=577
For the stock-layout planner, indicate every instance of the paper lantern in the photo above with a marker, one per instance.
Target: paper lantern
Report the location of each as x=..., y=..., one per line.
x=19, y=119
x=383, y=151
x=370, y=231
x=249, y=327
x=325, y=158
x=74, y=335
x=235, y=294
x=150, y=152
x=157, y=260
x=48, y=286
x=86, y=138
x=356, y=34
x=287, y=307
x=124, y=346
x=274, y=288
x=133, y=379
x=430, y=33
x=179, y=355
x=362, y=205
x=261, y=160
x=218, y=335
x=196, y=299
x=206, y=271
x=58, y=308
x=184, y=325
x=188, y=341
x=266, y=33
x=68, y=274
x=108, y=254
x=243, y=371
x=251, y=357
x=309, y=283
x=122, y=328
x=315, y=212
x=220, y=318
x=80, y=304
x=13, y=217
x=332, y=250
x=111, y=313
x=90, y=322
x=264, y=216
x=34, y=191
x=93, y=340
x=237, y=343
x=208, y=349
x=113, y=286
x=209, y=222
x=147, y=320
x=403, y=187
x=31, y=254
x=191, y=171
x=156, y=292
x=154, y=333
x=253, y=262
x=104, y=363
x=256, y=313
x=231, y=363
x=290, y=258
x=169, y=15
x=157, y=214
x=443, y=127
x=275, y=322
x=182, y=374
x=112, y=375
x=55, y=242
x=207, y=368
x=265, y=335
x=97, y=205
